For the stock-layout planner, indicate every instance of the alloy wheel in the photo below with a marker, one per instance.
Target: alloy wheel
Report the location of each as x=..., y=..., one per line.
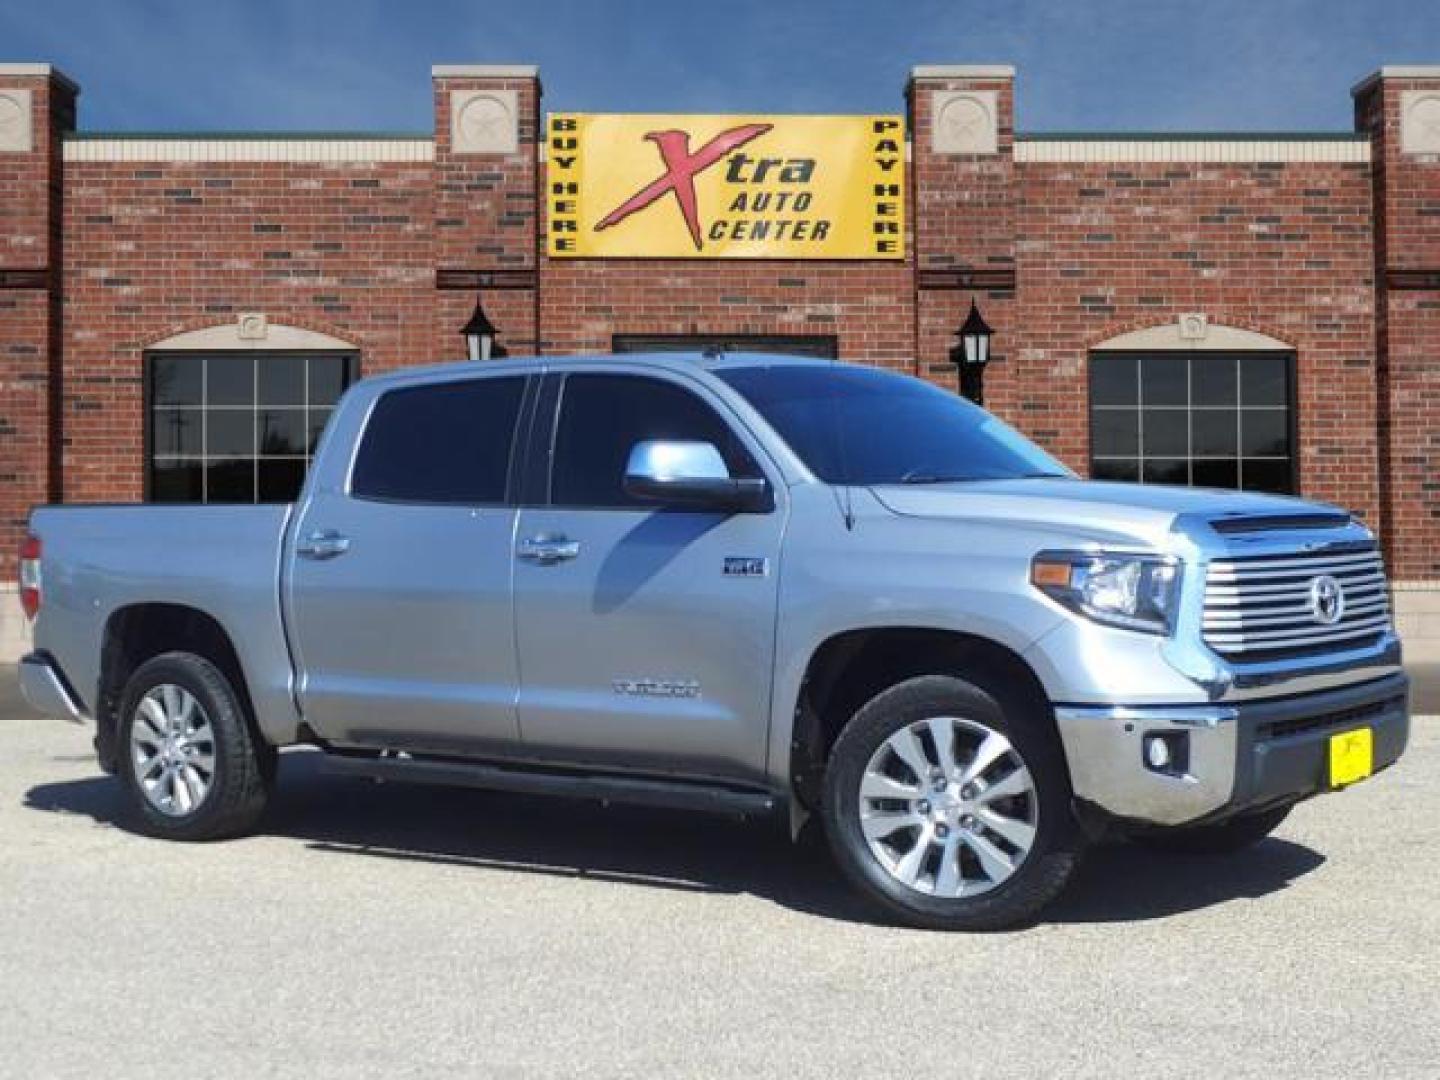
x=948, y=807
x=172, y=750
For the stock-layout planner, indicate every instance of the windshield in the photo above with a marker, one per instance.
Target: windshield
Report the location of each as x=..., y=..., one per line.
x=865, y=426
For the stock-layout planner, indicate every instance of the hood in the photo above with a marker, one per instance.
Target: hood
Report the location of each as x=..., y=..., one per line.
x=1091, y=508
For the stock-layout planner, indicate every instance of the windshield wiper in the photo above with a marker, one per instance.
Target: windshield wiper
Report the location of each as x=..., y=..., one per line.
x=918, y=477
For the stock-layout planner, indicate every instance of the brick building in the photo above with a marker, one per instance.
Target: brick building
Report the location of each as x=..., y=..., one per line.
x=1234, y=310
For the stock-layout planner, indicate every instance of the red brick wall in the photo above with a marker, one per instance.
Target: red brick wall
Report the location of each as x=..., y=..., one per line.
x=30, y=195
x=157, y=248
x=963, y=214
x=1407, y=210
x=486, y=217
x=1060, y=256
x=1283, y=249
x=866, y=306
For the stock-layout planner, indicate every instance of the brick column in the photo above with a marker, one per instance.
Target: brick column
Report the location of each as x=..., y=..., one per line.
x=1400, y=108
x=963, y=206
x=37, y=105
x=486, y=206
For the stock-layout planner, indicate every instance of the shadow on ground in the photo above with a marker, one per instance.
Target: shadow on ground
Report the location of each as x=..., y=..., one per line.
x=352, y=818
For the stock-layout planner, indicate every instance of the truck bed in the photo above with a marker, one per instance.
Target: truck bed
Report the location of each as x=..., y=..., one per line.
x=222, y=560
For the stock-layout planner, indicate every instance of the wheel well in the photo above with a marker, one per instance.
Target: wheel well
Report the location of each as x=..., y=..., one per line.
x=849, y=669
x=142, y=632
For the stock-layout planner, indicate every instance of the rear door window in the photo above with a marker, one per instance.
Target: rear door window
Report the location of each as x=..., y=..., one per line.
x=443, y=443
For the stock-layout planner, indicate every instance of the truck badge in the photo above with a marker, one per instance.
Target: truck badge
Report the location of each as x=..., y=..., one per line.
x=1327, y=600
x=746, y=566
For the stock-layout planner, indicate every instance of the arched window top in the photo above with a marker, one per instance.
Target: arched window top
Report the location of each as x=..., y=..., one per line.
x=1218, y=338
x=227, y=337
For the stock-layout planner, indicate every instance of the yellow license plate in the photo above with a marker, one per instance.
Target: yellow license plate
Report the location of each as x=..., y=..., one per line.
x=1352, y=756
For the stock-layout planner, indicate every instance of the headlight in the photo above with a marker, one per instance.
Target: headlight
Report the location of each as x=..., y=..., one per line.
x=1135, y=592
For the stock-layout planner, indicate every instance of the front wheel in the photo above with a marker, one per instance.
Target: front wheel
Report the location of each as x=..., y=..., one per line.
x=191, y=767
x=948, y=811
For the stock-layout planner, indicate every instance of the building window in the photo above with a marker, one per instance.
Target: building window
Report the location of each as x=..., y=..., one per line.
x=821, y=345
x=1207, y=419
x=237, y=427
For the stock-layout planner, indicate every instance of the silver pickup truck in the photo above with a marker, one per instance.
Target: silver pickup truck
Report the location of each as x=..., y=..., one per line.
x=743, y=583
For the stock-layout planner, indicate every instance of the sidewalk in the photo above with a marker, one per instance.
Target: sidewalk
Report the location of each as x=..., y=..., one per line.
x=1424, y=688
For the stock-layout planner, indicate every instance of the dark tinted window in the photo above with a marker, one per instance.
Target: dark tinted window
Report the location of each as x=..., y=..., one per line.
x=447, y=443
x=238, y=428
x=602, y=417
x=859, y=426
x=1209, y=419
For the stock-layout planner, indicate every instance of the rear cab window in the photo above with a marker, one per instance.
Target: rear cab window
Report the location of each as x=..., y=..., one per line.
x=446, y=443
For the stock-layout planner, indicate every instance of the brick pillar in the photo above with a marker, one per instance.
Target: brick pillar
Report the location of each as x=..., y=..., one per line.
x=37, y=105
x=963, y=206
x=1400, y=108
x=486, y=205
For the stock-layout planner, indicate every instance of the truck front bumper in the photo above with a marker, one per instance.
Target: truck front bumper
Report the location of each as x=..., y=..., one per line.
x=1222, y=760
x=46, y=689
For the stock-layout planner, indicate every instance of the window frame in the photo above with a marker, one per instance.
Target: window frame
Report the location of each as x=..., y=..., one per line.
x=539, y=480
x=1292, y=411
x=825, y=346
x=515, y=466
x=354, y=373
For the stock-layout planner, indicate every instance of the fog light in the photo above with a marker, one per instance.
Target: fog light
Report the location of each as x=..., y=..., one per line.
x=1167, y=752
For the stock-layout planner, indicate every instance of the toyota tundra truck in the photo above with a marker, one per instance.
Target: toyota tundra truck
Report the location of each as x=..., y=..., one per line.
x=744, y=583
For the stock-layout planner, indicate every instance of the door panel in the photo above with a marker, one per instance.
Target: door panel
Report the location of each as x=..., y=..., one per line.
x=400, y=602
x=406, y=639
x=640, y=651
x=637, y=648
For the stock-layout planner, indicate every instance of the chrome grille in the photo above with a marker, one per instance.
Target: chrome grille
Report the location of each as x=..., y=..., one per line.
x=1262, y=605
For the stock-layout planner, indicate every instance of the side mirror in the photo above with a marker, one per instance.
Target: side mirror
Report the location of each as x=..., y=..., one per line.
x=691, y=475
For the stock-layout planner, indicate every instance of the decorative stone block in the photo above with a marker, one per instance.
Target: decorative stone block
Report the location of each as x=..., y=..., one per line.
x=484, y=122
x=1420, y=122
x=252, y=326
x=965, y=122
x=1194, y=326
x=16, y=128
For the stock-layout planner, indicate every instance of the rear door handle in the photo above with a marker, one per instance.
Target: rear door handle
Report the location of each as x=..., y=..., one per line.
x=323, y=544
x=547, y=549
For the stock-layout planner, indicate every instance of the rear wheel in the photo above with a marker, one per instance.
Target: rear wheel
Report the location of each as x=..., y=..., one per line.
x=1234, y=835
x=191, y=767
x=948, y=812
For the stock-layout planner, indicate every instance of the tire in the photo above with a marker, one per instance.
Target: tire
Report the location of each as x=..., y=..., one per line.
x=1228, y=836
x=179, y=717
x=1021, y=871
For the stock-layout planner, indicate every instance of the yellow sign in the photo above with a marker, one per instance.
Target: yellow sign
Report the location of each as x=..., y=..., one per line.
x=1352, y=756
x=727, y=187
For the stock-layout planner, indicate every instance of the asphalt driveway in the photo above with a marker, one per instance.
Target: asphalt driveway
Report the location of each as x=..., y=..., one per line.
x=390, y=930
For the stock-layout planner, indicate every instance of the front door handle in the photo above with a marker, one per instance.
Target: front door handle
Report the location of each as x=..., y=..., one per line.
x=322, y=544
x=548, y=549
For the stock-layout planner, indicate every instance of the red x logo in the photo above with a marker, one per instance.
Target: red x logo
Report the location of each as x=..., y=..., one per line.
x=681, y=168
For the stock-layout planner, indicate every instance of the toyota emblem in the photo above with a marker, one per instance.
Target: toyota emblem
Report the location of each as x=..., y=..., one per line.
x=1327, y=600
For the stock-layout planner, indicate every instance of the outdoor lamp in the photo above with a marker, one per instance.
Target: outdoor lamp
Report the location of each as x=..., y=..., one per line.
x=479, y=335
x=972, y=354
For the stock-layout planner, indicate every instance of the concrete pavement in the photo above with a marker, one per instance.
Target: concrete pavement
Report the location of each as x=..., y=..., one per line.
x=409, y=931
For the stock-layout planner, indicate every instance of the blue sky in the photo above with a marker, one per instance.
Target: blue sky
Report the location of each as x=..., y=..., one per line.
x=364, y=64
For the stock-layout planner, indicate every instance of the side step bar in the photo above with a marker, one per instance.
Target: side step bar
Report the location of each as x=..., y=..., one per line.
x=668, y=794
